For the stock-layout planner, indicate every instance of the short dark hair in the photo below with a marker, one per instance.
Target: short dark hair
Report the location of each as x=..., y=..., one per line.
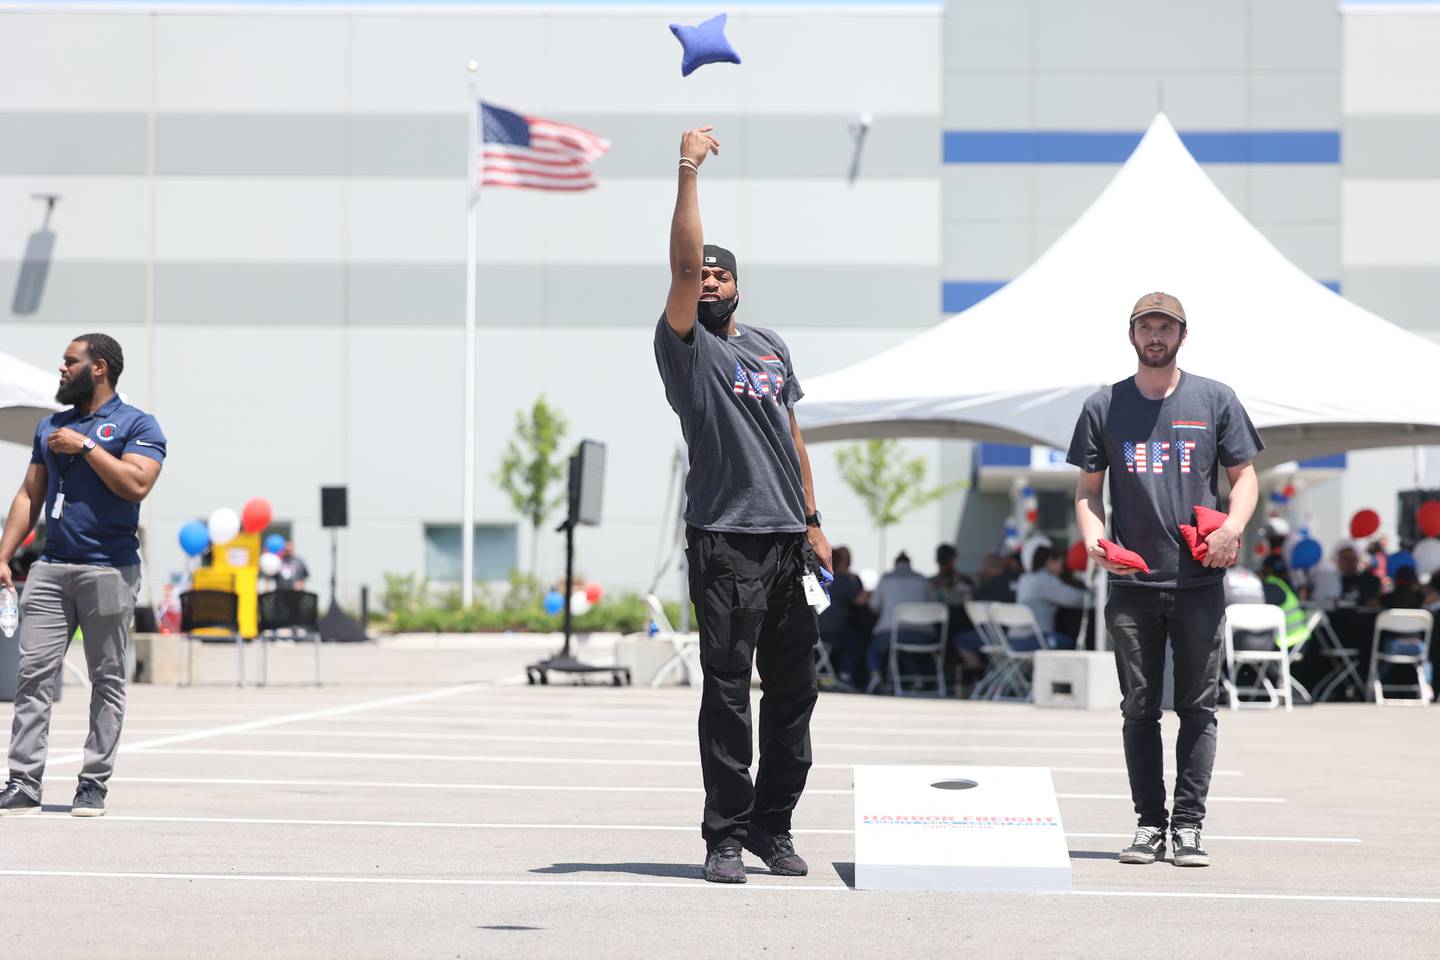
x=945, y=553
x=102, y=346
x=1042, y=556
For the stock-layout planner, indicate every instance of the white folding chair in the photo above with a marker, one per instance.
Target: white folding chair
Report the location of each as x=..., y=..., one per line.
x=685, y=647
x=993, y=649
x=1344, y=662
x=919, y=617
x=1257, y=618
x=1414, y=626
x=1010, y=621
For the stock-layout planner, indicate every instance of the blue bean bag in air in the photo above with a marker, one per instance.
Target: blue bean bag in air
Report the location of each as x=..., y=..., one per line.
x=704, y=44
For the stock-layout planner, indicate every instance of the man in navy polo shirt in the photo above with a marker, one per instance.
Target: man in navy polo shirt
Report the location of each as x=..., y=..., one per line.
x=90, y=467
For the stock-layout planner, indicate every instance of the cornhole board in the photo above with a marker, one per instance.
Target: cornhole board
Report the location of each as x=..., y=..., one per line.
x=980, y=829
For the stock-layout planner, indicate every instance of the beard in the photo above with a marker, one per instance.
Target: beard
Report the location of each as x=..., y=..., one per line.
x=79, y=390
x=1161, y=361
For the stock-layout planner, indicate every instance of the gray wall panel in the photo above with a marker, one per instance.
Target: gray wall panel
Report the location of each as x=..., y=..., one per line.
x=988, y=101
x=524, y=295
x=984, y=191
x=985, y=35
x=1378, y=146
x=1141, y=35
x=250, y=144
x=72, y=143
x=1295, y=101
x=300, y=145
x=1295, y=35
x=82, y=293
x=1409, y=296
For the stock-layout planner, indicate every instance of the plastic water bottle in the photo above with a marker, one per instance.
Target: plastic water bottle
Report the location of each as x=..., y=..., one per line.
x=654, y=628
x=9, y=611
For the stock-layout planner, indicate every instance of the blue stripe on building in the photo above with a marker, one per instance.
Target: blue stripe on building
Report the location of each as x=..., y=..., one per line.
x=1207, y=146
x=958, y=295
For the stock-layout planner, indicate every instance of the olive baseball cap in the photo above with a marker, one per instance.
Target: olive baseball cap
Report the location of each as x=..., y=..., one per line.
x=1157, y=302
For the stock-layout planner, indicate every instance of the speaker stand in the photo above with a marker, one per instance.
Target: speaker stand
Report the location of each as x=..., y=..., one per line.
x=336, y=625
x=565, y=661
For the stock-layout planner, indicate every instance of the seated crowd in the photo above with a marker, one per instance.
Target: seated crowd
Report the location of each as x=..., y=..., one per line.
x=858, y=626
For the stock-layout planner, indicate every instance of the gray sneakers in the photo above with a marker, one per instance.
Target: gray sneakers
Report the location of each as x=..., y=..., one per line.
x=1185, y=841
x=1147, y=847
x=724, y=864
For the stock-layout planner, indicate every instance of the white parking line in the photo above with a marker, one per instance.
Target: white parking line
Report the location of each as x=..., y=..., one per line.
x=60, y=818
x=481, y=758
x=252, y=725
x=680, y=744
x=562, y=788
x=960, y=729
x=696, y=884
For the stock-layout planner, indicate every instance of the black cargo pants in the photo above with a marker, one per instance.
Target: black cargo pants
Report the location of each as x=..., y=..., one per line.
x=751, y=607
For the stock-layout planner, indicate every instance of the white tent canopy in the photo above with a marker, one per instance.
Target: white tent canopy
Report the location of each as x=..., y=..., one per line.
x=26, y=394
x=1318, y=374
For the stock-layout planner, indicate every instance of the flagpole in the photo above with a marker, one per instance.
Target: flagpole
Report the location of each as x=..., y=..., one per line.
x=472, y=202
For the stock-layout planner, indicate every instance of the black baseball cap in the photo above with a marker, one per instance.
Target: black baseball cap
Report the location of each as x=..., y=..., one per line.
x=720, y=257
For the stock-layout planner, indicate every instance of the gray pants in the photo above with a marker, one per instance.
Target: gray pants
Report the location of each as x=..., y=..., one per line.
x=59, y=597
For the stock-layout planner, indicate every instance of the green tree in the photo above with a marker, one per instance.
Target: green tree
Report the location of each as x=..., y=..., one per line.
x=887, y=482
x=529, y=469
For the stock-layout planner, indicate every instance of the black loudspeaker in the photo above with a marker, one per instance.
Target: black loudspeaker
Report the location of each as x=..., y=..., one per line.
x=587, y=483
x=333, y=512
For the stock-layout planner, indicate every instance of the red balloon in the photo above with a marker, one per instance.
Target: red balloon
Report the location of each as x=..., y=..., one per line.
x=1032, y=515
x=1364, y=523
x=256, y=515
x=1076, y=559
x=1428, y=516
x=1261, y=549
x=29, y=539
x=1289, y=489
x=593, y=592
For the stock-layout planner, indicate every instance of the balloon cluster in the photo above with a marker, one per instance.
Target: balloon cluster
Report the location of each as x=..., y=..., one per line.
x=225, y=525
x=580, y=601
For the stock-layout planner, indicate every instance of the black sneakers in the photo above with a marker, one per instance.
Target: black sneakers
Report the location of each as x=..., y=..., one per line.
x=89, y=800
x=1185, y=841
x=1147, y=847
x=723, y=864
x=15, y=802
x=778, y=852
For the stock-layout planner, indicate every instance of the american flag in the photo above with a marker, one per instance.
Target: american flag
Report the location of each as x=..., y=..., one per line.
x=1134, y=456
x=535, y=153
x=1160, y=455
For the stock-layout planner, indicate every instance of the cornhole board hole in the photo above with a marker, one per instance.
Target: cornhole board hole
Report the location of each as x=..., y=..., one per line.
x=959, y=828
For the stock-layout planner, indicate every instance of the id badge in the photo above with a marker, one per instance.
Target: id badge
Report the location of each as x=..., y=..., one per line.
x=59, y=507
x=815, y=596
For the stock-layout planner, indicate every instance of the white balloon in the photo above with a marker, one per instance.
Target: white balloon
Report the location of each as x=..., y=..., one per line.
x=1027, y=550
x=869, y=579
x=269, y=564
x=1427, y=556
x=224, y=526
x=579, y=603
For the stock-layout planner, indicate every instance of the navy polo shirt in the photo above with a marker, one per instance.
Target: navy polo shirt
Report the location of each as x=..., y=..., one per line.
x=96, y=525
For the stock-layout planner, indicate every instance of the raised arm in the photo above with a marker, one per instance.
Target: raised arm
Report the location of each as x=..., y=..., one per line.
x=687, y=239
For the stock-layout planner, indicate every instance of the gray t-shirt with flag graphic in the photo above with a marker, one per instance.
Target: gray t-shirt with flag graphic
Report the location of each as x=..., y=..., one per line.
x=733, y=396
x=1164, y=458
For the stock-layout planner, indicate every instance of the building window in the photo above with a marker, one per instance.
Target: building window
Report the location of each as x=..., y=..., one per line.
x=496, y=549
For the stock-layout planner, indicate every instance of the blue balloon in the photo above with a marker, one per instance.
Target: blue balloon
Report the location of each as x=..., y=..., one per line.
x=554, y=602
x=274, y=543
x=194, y=538
x=1306, y=554
x=1397, y=560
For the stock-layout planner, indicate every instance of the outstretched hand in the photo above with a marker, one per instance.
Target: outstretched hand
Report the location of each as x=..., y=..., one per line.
x=696, y=144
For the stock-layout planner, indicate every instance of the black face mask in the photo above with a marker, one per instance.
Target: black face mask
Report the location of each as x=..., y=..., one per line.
x=716, y=314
